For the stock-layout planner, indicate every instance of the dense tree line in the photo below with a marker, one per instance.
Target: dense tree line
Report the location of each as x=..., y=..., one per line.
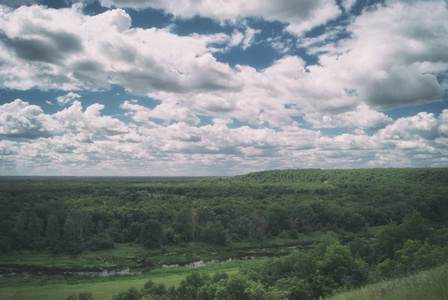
x=75, y=214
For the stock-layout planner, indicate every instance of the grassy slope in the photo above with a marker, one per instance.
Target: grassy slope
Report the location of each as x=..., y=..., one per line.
x=431, y=284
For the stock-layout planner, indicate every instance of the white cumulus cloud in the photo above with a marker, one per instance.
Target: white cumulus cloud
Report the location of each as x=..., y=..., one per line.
x=301, y=15
x=19, y=119
x=392, y=58
x=64, y=49
x=70, y=97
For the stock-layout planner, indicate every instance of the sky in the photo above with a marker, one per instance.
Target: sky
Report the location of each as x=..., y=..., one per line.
x=221, y=87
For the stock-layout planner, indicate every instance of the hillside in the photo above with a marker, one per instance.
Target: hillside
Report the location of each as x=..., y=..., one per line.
x=430, y=284
x=355, y=177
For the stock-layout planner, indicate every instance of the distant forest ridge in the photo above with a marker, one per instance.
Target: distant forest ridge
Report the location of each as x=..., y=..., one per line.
x=326, y=176
x=345, y=176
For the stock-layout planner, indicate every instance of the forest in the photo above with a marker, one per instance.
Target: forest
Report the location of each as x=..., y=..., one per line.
x=321, y=231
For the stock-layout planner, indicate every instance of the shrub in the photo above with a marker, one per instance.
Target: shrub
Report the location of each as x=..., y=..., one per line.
x=100, y=241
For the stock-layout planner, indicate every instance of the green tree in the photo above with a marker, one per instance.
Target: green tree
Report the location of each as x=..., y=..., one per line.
x=190, y=288
x=100, y=241
x=36, y=227
x=232, y=288
x=21, y=237
x=131, y=294
x=151, y=234
x=405, y=257
x=295, y=288
x=52, y=232
x=133, y=232
x=440, y=237
x=155, y=291
x=361, y=249
x=256, y=291
x=115, y=231
x=388, y=268
x=414, y=227
x=169, y=236
x=337, y=263
x=69, y=229
x=214, y=233
x=186, y=223
x=429, y=256
x=85, y=296
x=388, y=241
x=277, y=217
x=72, y=235
x=257, y=226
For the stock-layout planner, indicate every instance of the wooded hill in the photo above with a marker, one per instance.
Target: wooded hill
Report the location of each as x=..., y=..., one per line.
x=72, y=214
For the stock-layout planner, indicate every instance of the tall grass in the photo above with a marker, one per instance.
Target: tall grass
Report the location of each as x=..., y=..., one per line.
x=431, y=284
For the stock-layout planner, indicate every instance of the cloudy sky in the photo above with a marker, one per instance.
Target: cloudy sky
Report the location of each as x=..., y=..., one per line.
x=221, y=87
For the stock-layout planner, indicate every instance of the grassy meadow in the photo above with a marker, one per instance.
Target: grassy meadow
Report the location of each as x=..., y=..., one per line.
x=104, y=288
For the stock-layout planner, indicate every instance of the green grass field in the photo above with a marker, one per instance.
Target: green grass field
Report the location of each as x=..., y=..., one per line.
x=106, y=288
x=99, y=290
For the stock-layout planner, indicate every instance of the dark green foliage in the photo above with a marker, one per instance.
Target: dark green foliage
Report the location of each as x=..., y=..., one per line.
x=440, y=237
x=81, y=296
x=415, y=227
x=413, y=256
x=53, y=234
x=132, y=234
x=257, y=227
x=157, y=291
x=131, y=294
x=115, y=230
x=185, y=223
x=337, y=264
x=85, y=296
x=214, y=233
x=233, y=288
x=428, y=256
x=190, y=288
x=388, y=241
x=392, y=237
x=100, y=241
x=151, y=234
x=361, y=248
x=278, y=218
x=20, y=235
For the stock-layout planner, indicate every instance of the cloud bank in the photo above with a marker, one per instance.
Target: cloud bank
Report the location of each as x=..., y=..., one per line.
x=214, y=118
x=85, y=142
